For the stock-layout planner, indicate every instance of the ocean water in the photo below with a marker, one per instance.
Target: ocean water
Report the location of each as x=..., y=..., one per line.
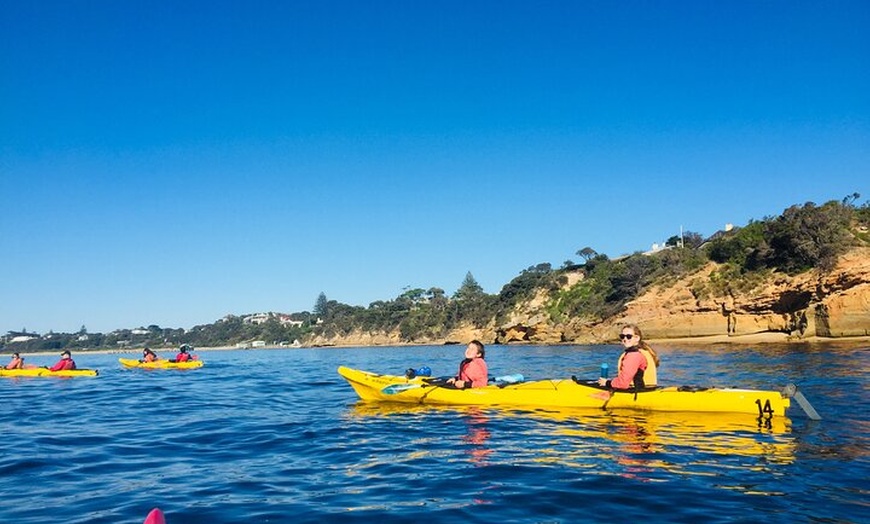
x=278, y=436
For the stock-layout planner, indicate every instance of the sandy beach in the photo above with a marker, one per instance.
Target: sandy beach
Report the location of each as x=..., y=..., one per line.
x=761, y=338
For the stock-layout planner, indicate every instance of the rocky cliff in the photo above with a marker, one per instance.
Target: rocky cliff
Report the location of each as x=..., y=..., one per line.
x=829, y=304
x=813, y=304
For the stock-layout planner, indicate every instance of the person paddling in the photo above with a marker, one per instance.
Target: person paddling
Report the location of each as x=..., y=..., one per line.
x=149, y=356
x=16, y=363
x=65, y=363
x=183, y=354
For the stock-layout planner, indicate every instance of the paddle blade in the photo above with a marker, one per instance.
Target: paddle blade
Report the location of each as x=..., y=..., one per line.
x=806, y=406
x=394, y=389
x=504, y=380
x=791, y=391
x=155, y=517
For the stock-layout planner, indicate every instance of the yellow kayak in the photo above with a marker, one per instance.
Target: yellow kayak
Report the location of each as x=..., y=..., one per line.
x=565, y=393
x=44, y=372
x=160, y=364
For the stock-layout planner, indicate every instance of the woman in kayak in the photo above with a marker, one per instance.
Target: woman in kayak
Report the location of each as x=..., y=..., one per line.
x=650, y=375
x=65, y=363
x=16, y=363
x=149, y=356
x=638, y=363
x=473, y=372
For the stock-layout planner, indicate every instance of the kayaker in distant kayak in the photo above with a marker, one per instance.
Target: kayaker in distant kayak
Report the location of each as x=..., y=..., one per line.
x=473, y=372
x=638, y=363
x=149, y=356
x=183, y=354
x=65, y=363
x=16, y=363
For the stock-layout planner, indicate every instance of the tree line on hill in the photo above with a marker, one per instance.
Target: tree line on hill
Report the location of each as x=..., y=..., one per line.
x=803, y=237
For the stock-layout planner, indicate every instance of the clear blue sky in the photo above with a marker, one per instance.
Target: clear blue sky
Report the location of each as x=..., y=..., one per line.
x=173, y=162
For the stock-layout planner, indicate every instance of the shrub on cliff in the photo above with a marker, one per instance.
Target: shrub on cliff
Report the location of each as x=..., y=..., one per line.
x=802, y=238
x=806, y=237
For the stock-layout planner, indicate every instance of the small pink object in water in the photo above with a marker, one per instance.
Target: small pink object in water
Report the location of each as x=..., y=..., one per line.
x=155, y=517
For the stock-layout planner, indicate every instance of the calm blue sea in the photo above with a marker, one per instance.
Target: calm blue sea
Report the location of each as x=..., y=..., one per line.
x=278, y=436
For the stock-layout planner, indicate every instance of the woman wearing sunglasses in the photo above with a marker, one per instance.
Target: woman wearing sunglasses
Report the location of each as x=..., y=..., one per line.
x=637, y=364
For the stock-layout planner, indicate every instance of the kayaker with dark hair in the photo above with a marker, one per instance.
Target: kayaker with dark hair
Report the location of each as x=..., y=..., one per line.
x=183, y=354
x=65, y=363
x=473, y=372
x=637, y=364
x=16, y=363
x=149, y=356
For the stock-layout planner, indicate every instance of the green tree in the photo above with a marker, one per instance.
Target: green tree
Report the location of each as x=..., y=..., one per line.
x=688, y=239
x=321, y=305
x=469, y=288
x=471, y=304
x=587, y=253
x=807, y=236
x=738, y=246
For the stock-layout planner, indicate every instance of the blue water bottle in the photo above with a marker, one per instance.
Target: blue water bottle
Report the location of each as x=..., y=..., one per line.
x=605, y=369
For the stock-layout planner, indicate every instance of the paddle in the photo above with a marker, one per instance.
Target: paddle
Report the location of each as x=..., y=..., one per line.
x=606, y=394
x=395, y=389
x=791, y=391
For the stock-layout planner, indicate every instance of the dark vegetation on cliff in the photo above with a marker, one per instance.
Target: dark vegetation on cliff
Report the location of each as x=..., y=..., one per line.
x=803, y=237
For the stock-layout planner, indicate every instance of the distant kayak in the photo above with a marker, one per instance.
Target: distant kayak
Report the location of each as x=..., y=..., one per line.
x=565, y=393
x=44, y=372
x=160, y=364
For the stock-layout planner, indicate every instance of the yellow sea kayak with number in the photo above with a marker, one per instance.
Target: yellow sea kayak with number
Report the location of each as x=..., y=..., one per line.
x=565, y=393
x=160, y=364
x=44, y=372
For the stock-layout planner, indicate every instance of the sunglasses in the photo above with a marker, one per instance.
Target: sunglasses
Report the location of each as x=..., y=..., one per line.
x=623, y=336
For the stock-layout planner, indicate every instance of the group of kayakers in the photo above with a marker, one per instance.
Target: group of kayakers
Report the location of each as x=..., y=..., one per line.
x=66, y=362
x=637, y=365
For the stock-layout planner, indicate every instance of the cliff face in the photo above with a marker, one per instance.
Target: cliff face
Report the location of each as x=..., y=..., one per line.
x=835, y=304
x=813, y=304
x=832, y=304
x=463, y=335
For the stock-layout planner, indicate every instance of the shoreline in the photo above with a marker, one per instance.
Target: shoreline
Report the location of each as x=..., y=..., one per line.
x=710, y=340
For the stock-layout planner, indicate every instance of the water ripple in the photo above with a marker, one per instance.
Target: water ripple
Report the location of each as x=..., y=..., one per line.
x=277, y=436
